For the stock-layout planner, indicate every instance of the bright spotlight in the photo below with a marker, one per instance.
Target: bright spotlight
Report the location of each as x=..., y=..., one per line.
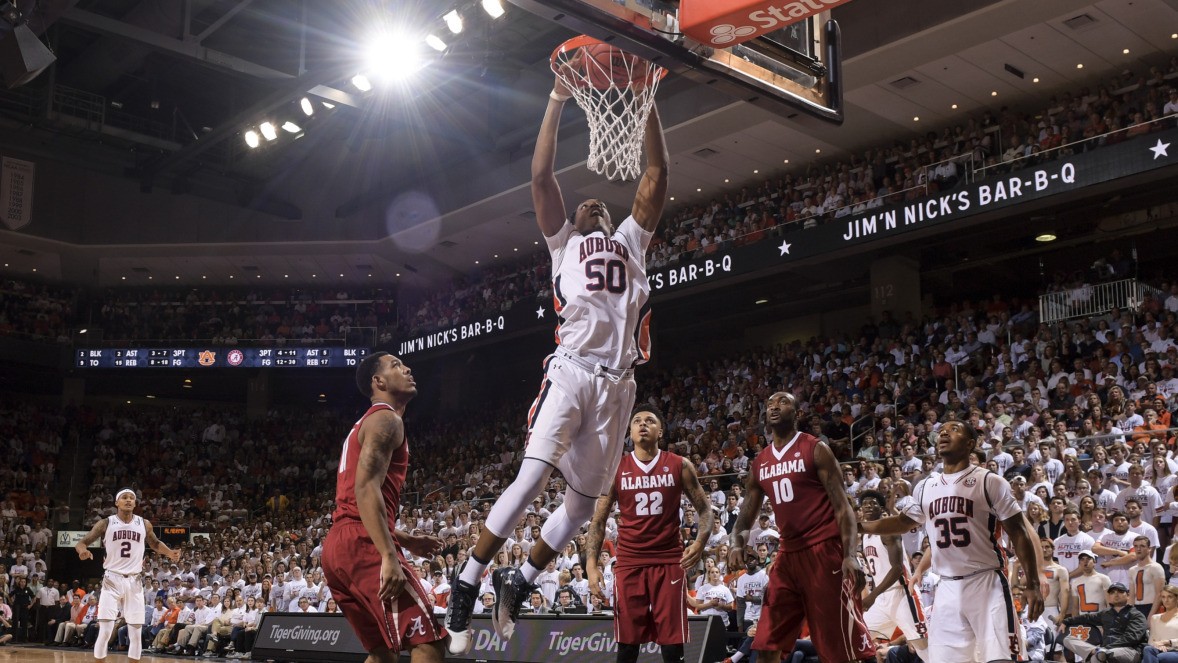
x=361, y=82
x=251, y=138
x=291, y=127
x=494, y=8
x=392, y=56
x=453, y=21
x=307, y=106
x=434, y=42
x=268, y=131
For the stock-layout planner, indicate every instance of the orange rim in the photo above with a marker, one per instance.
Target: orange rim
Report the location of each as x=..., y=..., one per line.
x=581, y=41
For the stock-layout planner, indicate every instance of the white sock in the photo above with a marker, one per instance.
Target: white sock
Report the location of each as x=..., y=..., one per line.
x=135, y=638
x=105, y=628
x=530, y=571
x=472, y=573
x=737, y=656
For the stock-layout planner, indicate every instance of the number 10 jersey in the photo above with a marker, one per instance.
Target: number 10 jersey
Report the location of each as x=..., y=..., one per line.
x=962, y=514
x=801, y=506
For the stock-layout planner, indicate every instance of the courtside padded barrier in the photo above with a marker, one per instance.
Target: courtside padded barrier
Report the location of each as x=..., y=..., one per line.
x=295, y=636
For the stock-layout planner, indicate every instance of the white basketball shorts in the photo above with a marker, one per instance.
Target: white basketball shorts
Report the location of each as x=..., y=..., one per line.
x=121, y=594
x=975, y=620
x=580, y=420
x=896, y=609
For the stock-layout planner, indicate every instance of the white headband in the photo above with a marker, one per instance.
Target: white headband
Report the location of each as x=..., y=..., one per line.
x=125, y=490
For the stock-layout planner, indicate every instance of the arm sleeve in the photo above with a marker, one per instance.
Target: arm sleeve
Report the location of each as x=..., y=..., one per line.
x=1002, y=501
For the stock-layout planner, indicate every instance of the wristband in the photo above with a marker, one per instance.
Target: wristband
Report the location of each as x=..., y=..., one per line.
x=559, y=97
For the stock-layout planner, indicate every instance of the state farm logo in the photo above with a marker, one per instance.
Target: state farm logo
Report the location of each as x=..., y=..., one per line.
x=723, y=29
x=726, y=33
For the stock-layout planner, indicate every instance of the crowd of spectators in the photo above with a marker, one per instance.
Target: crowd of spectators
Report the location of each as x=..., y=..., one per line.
x=37, y=311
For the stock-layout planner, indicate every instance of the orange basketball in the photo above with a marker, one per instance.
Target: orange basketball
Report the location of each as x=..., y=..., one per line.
x=603, y=64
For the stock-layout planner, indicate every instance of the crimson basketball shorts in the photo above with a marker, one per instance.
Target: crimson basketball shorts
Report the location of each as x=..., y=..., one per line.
x=808, y=586
x=351, y=565
x=650, y=605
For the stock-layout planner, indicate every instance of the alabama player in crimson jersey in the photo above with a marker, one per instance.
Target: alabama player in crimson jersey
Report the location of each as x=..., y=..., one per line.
x=649, y=590
x=362, y=560
x=578, y=421
x=816, y=577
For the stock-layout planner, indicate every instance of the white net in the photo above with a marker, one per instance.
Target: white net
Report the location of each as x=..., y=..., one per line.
x=616, y=91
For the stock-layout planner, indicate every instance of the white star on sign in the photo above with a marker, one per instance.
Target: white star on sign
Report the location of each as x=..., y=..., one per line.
x=540, y=313
x=1159, y=150
x=784, y=248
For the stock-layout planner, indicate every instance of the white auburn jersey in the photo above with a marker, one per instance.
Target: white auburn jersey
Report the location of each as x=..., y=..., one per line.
x=962, y=514
x=124, y=545
x=875, y=556
x=600, y=293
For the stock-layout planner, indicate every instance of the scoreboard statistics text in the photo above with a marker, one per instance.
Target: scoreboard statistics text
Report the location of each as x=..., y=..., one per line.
x=219, y=357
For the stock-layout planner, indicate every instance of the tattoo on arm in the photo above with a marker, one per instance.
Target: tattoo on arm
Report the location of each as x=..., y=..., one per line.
x=699, y=500
x=95, y=532
x=596, y=535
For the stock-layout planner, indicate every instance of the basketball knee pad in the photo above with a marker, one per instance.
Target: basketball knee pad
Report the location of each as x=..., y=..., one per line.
x=134, y=641
x=567, y=519
x=509, y=508
x=628, y=653
x=105, y=629
x=672, y=653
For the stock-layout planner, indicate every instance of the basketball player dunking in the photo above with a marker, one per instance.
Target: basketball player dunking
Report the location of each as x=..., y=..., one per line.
x=580, y=418
x=816, y=576
x=362, y=559
x=125, y=535
x=962, y=510
x=649, y=589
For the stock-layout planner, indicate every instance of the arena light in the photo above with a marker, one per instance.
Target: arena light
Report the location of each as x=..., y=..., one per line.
x=307, y=106
x=291, y=127
x=1045, y=237
x=390, y=56
x=268, y=130
x=252, y=139
x=361, y=82
x=494, y=8
x=453, y=21
x=435, y=42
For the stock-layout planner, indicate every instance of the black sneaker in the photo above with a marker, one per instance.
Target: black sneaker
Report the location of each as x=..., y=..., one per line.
x=511, y=592
x=458, y=611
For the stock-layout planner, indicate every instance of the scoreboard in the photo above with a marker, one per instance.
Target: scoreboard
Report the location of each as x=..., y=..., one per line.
x=219, y=357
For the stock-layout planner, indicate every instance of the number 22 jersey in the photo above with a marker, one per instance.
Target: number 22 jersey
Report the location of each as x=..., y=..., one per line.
x=801, y=506
x=648, y=503
x=962, y=514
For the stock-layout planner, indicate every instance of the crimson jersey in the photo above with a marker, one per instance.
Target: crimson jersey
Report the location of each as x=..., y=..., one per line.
x=648, y=497
x=801, y=506
x=345, y=482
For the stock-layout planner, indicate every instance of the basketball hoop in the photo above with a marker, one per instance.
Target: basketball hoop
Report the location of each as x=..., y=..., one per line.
x=616, y=91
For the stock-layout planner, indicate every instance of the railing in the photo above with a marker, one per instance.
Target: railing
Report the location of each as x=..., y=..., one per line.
x=1095, y=299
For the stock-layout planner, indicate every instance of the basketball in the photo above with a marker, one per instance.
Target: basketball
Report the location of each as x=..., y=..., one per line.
x=603, y=64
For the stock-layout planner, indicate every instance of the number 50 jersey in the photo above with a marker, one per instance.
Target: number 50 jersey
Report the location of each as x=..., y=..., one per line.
x=962, y=514
x=801, y=505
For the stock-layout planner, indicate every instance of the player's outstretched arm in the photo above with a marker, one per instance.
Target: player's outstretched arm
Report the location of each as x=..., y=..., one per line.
x=652, y=188
x=703, y=508
x=594, y=539
x=1025, y=545
x=546, y=196
x=753, y=497
x=95, y=533
x=382, y=433
x=831, y=478
x=160, y=547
